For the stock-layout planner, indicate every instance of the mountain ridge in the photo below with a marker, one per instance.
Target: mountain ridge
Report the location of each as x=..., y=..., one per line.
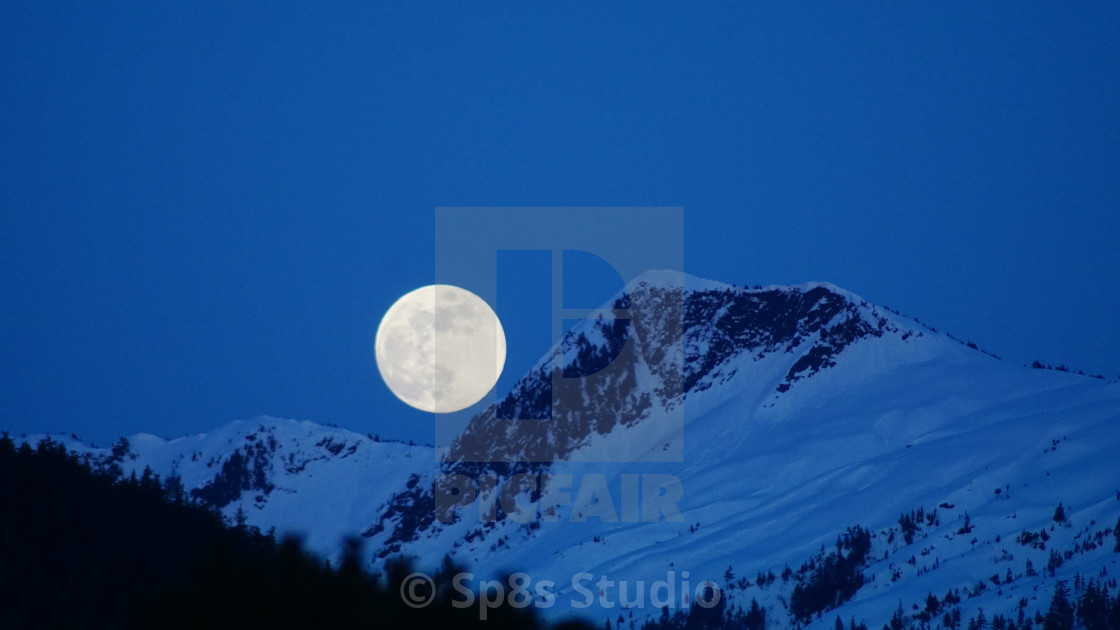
x=883, y=420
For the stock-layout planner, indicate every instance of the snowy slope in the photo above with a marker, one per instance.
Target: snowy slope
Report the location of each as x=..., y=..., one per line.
x=779, y=461
x=806, y=410
x=320, y=483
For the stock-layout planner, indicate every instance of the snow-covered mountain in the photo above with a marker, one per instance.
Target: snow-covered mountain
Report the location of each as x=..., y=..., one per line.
x=320, y=483
x=806, y=411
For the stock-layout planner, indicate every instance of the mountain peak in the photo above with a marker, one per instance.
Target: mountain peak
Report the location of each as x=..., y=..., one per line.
x=672, y=338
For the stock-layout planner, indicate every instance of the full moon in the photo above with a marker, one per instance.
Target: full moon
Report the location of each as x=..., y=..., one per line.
x=440, y=348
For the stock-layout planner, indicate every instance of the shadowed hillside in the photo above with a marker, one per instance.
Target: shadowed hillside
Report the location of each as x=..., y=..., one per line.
x=82, y=550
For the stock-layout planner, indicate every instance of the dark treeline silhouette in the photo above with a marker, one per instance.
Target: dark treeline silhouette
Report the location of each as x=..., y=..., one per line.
x=831, y=578
x=79, y=549
x=1093, y=609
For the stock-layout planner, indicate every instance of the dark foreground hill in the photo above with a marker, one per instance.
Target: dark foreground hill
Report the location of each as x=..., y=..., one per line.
x=82, y=550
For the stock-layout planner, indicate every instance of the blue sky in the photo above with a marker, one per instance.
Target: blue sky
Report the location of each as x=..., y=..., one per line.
x=205, y=209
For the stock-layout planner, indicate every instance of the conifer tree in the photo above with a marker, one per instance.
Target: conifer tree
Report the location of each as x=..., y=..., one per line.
x=1060, y=513
x=1060, y=615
